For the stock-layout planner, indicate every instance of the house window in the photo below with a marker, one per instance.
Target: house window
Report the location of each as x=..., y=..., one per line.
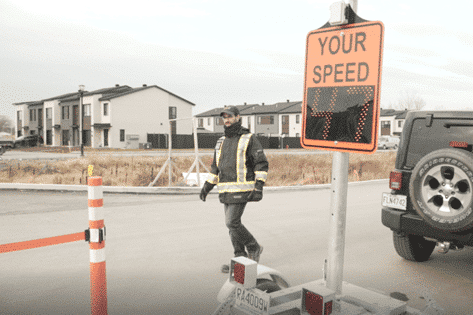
x=32, y=114
x=105, y=109
x=122, y=135
x=209, y=121
x=86, y=110
x=49, y=113
x=298, y=119
x=218, y=121
x=201, y=123
x=265, y=120
x=385, y=124
x=399, y=123
x=172, y=112
x=65, y=137
x=65, y=112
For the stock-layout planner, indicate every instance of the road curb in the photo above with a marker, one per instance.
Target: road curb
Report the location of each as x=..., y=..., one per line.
x=161, y=190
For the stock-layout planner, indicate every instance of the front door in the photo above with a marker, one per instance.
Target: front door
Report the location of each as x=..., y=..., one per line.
x=105, y=137
x=65, y=137
x=49, y=137
x=285, y=124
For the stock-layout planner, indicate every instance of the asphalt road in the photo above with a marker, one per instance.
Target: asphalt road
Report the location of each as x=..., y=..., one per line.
x=163, y=253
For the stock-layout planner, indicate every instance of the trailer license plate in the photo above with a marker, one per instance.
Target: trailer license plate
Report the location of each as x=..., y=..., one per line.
x=252, y=301
x=394, y=201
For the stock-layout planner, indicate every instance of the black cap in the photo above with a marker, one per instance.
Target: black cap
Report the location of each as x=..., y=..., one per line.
x=231, y=110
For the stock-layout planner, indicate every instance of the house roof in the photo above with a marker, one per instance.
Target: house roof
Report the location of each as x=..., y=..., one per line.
x=255, y=109
x=112, y=90
x=216, y=111
x=134, y=90
x=296, y=107
x=62, y=97
x=107, y=94
x=398, y=114
x=269, y=109
x=59, y=97
x=402, y=115
x=29, y=103
x=35, y=103
x=109, y=90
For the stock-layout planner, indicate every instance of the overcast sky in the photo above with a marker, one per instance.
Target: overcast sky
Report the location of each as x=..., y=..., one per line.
x=216, y=53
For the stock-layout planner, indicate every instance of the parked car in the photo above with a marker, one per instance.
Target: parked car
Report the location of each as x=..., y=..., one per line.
x=431, y=197
x=388, y=142
x=6, y=142
x=28, y=141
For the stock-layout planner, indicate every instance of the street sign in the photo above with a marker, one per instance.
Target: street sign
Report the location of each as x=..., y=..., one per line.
x=341, y=91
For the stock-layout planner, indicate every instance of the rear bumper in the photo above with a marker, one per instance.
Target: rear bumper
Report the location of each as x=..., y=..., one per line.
x=403, y=222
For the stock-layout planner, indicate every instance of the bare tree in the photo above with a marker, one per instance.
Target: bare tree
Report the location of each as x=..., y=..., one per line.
x=6, y=124
x=409, y=100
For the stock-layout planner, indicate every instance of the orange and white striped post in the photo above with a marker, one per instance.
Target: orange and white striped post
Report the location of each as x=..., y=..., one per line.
x=96, y=237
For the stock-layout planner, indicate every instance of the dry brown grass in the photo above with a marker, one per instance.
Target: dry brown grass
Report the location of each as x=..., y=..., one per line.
x=289, y=170
x=285, y=169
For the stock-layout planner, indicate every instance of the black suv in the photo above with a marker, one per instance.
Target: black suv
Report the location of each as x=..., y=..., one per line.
x=432, y=185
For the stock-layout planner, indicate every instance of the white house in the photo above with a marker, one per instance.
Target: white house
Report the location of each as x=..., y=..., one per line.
x=291, y=120
x=118, y=117
x=21, y=119
x=124, y=120
x=391, y=122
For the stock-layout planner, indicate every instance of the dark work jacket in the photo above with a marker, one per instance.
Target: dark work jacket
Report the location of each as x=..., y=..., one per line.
x=239, y=162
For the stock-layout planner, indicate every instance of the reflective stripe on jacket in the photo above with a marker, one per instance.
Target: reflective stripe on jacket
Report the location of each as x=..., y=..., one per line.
x=238, y=162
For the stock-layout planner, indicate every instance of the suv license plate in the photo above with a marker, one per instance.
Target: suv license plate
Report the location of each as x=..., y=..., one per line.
x=394, y=201
x=253, y=301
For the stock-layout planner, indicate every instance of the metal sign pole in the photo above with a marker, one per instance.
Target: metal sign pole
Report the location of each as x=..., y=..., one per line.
x=169, y=154
x=338, y=214
x=196, y=150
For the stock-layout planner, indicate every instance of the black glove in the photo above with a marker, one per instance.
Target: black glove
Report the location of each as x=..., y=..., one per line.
x=257, y=193
x=205, y=190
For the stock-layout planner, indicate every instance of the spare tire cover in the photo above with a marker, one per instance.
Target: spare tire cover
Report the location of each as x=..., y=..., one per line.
x=441, y=189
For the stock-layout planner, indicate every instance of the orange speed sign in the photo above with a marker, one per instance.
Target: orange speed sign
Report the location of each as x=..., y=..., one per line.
x=341, y=91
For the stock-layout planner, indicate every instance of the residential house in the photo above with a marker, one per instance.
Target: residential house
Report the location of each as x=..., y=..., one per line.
x=211, y=120
x=269, y=120
x=119, y=117
x=391, y=122
x=70, y=116
x=132, y=115
x=291, y=120
x=29, y=118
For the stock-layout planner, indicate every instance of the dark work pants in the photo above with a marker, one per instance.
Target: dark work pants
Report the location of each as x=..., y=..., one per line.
x=239, y=235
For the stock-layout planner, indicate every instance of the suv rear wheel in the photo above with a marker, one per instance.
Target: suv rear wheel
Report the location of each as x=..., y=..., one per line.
x=441, y=189
x=413, y=247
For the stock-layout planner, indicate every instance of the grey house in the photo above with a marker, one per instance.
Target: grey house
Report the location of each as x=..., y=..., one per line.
x=267, y=120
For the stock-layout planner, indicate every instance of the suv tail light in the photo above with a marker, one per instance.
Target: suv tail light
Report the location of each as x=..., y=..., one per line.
x=395, y=180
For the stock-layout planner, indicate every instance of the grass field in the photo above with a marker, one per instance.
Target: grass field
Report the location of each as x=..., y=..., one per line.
x=284, y=169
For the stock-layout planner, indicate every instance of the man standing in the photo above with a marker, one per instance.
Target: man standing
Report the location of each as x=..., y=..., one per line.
x=239, y=169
